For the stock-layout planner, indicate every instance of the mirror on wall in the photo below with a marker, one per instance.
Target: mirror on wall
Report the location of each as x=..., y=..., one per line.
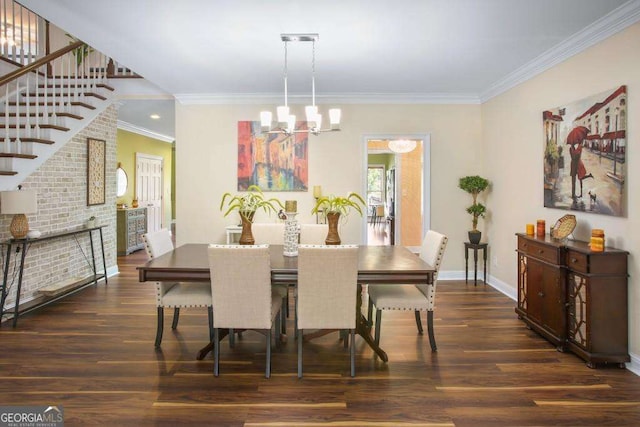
x=122, y=180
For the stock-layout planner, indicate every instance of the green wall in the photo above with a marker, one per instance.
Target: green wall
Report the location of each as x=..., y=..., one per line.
x=128, y=144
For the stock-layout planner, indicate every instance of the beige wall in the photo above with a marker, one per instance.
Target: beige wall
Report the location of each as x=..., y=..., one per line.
x=206, y=155
x=513, y=146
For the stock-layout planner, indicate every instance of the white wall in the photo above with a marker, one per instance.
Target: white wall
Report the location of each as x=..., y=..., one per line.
x=206, y=158
x=513, y=146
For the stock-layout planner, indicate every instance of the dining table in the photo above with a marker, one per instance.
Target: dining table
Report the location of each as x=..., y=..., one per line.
x=392, y=265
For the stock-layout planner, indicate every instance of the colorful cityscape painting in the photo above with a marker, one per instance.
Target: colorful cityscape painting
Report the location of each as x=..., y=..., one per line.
x=585, y=146
x=272, y=161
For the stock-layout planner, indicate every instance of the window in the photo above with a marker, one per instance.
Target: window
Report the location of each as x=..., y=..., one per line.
x=375, y=185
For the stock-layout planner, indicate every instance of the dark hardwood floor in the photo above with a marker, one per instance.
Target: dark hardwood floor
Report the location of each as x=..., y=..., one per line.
x=93, y=353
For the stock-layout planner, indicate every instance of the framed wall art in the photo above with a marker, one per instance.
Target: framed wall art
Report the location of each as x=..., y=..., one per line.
x=96, y=171
x=273, y=162
x=585, y=148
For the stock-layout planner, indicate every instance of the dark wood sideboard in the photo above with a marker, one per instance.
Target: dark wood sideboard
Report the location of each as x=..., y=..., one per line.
x=574, y=297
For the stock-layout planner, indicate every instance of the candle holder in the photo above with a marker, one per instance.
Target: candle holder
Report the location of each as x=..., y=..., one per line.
x=291, y=233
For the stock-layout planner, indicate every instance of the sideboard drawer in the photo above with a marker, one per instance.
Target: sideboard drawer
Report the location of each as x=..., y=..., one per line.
x=541, y=251
x=577, y=261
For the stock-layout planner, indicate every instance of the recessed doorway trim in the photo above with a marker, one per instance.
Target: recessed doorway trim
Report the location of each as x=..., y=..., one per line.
x=426, y=175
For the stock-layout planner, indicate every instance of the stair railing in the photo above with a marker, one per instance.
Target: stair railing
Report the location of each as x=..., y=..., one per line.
x=18, y=33
x=43, y=91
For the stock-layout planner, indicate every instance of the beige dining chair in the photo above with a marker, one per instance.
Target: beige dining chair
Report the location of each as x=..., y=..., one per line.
x=414, y=298
x=327, y=288
x=313, y=234
x=272, y=233
x=175, y=294
x=242, y=294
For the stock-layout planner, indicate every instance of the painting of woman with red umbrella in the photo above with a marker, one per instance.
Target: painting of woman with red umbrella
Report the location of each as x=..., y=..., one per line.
x=575, y=139
x=584, y=161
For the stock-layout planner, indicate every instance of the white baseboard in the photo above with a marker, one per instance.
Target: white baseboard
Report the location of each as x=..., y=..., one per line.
x=634, y=365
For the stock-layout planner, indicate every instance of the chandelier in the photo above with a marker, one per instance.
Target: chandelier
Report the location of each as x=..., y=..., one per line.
x=402, y=145
x=286, y=122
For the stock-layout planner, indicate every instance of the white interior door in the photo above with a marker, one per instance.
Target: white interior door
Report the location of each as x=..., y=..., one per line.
x=149, y=188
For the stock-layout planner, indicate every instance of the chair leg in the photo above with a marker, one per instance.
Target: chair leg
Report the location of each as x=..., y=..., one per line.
x=378, y=318
x=232, y=338
x=216, y=353
x=432, y=338
x=370, y=313
x=176, y=317
x=267, y=373
x=353, y=352
x=160, y=326
x=299, y=353
x=418, y=322
x=210, y=316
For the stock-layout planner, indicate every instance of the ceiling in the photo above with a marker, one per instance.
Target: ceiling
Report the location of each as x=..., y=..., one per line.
x=400, y=51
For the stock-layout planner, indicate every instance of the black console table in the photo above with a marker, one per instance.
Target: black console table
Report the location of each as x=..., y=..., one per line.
x=21, y=245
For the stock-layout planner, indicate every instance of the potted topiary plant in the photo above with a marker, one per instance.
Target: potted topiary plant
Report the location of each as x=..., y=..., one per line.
x=333, y=207
x=246, y=205
x=474, y=185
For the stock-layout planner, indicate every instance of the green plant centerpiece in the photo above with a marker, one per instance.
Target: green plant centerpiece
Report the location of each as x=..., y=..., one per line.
x=333, y=207
x=246, y=205
x=474, y=185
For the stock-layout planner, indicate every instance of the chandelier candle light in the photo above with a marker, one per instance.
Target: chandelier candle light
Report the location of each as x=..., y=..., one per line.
x=286, y=122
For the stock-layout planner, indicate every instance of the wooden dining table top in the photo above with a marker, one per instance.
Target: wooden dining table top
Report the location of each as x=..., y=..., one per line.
x=376, y=264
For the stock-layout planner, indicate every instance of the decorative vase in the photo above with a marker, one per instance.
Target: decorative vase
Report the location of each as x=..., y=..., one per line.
x=246, y=237
x=474, y=236
x=333, y=238
x=291, y=233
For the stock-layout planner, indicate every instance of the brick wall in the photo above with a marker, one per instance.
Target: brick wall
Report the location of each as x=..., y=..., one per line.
x=61, y=183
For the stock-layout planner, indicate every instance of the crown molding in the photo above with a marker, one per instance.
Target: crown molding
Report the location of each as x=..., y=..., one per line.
x=144, y=132
x=331, y=98
x=610, y=24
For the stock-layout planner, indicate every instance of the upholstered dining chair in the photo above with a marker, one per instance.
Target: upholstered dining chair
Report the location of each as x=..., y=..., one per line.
x=242, y=294
x=175, y=294
x=327, y=287
x=272, y=233
x=414, y=298
x=313, y=234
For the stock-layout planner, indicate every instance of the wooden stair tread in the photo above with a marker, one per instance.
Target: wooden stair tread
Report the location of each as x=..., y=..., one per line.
x=38, y=140
x=82, y=104
x=70, y=115
x=42, y=126
x=18, y=156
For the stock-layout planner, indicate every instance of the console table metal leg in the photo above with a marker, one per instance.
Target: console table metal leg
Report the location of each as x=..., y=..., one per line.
x=5, y=281
x=19, y=288
x=93, y=259
x=104, y=261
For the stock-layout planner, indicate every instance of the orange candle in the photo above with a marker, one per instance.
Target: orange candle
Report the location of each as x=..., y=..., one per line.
x=541, y=228
x=530, y=229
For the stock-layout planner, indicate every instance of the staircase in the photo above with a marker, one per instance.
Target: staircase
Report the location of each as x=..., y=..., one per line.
x=45, y=99
x=41, y=110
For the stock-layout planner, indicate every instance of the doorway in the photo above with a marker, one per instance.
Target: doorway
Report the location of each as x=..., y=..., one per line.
x=149, y=188
x=403, y=215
